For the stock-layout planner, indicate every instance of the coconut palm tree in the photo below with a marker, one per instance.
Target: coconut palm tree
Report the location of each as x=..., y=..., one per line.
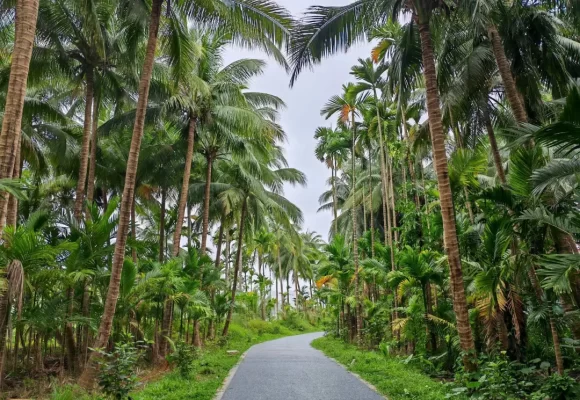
x=25, y=28
x=326, y=30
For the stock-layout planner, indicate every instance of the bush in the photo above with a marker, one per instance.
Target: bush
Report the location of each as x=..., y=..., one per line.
x=117, y=376
x=557, y=387
x=183, y=357
x=259, y=327
x=294, y=321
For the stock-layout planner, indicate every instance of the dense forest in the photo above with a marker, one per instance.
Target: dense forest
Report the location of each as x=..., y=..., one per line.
x=142, y=207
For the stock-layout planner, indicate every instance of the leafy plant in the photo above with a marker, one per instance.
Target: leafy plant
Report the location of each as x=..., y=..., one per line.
x=117, y=370
x=183, y=357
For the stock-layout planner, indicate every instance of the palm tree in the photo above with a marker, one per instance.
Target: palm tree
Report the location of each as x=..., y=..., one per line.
x=331, y=148
x=329, y=29
x=347, y=107
x=254, y=18
x=25, y=28
x=255, y=189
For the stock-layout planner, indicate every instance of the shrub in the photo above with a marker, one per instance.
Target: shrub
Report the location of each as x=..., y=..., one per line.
x=557, y=387
x=117, y=376
x=183, y=357
x=259, y=327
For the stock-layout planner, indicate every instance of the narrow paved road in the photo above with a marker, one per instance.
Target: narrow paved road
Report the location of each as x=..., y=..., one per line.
x=290, y=369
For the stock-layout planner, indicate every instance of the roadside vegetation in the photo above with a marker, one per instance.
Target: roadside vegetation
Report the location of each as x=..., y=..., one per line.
x=453, y=158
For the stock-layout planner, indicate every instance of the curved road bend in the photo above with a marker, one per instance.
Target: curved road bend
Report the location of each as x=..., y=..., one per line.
x=290, y=369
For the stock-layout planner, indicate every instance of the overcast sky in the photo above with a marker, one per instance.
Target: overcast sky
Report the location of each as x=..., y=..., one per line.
x=302, y=115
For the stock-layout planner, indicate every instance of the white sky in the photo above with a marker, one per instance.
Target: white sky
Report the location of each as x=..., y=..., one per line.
x=302, y=115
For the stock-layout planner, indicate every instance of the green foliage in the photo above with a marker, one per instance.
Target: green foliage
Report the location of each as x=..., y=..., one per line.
x=557, y=387
x=183, y=357
x=117, y=370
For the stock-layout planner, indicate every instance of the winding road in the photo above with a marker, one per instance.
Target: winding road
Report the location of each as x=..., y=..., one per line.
x=290, y=369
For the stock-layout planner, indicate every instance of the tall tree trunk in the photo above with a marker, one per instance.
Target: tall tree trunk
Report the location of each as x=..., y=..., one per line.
x=205, y=225
x=392, y=194
x=26, y=17
x=334, y=201
x=93, y=157
x=280, y=276
x=506, y=75
x=165, y=327
x=493, y=145
x=84, y=156
x=237, y=266
x=184, y=187
x=12, y=214
x=355, y=242
x=386, y=218
x=133, y=229
x=557, y=350
x=162, y=225
x=69, y=333
x=87, y=379
x=372, y=217
x=447, y=211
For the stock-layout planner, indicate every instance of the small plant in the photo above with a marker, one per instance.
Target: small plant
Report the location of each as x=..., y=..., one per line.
x=183, y=357
x=117, y=376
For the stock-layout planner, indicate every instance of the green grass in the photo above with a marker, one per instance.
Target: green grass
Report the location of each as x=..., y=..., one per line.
x=214, y=363
x=391, y=378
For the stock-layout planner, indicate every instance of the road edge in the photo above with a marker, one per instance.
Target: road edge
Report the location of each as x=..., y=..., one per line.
x=357, y=376
x=224, y=386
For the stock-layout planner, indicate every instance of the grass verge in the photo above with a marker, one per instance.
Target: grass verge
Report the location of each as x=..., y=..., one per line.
x=214, y=364
x=393, y=379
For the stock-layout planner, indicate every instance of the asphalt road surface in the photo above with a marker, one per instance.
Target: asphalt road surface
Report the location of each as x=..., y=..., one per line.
x=290, y=369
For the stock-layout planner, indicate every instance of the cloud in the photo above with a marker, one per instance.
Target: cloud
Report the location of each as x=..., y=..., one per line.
x=302, y=115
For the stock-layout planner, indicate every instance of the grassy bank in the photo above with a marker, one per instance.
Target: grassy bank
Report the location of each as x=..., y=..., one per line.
x=214, y=364
x=391, y=377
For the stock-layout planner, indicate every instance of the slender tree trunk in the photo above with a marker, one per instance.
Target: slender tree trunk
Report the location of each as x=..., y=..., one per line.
x=447, y=210
x=280, y=276
x=392, y=193
x=205, y=225
x=12, y=215
x=84, y=156
x=506, y=75
x=196, y=334
x=355, y=243
x=165, y=327
x=236, y=267
x=133, y=230
x=4, y=318
x=557, y=350
x=94, y=145
x=493, y=145
x=87, y=379
x=26, y=17
x=69, y=333
x=386, y=218
x=162, y=226
x=372, y=217
x=334, y=201
x=86, y=310
x=184, y=187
